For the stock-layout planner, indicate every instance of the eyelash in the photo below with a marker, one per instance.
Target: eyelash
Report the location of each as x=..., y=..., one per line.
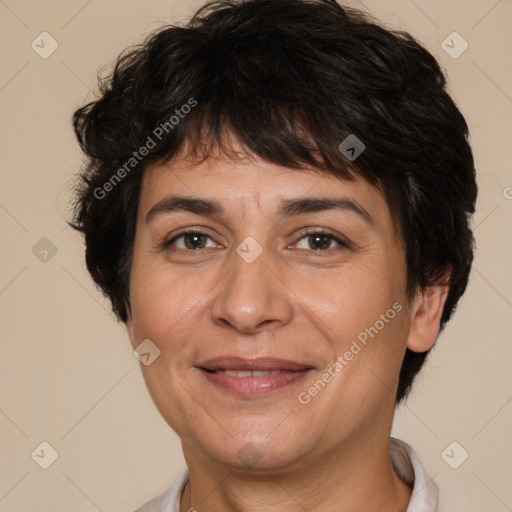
x=303, y=234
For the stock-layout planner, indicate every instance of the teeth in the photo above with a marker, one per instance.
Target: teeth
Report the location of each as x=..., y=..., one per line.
x=244, y=373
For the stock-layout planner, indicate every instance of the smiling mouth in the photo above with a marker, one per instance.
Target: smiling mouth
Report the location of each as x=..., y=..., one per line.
x=252, y=377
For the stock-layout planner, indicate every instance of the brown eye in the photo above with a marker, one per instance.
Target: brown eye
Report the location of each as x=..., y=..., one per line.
x=194, y=241
x=320, y=242
x=189, y=240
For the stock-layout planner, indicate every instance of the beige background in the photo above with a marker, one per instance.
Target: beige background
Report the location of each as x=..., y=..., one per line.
x=68, y=376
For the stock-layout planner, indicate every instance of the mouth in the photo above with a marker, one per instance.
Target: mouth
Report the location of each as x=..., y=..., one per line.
x=250, y=377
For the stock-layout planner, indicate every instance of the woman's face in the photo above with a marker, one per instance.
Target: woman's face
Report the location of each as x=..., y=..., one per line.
x=266, y=286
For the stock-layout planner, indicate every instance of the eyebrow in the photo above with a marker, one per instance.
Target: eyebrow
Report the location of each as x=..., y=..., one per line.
x=288, y=208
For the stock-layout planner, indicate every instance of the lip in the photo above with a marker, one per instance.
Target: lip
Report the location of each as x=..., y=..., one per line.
x=285, y=373
x=255, y=364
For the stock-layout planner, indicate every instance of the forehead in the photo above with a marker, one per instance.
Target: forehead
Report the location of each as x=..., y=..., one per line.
x=249, y=178
x=248, y=186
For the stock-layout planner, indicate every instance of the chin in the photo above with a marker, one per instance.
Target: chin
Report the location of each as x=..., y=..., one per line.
x=268, y=451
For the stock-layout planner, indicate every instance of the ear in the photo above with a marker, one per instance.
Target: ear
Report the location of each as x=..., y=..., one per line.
x=426, y=317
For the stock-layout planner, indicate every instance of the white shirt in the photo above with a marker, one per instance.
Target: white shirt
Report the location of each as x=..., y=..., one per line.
x=424, y=497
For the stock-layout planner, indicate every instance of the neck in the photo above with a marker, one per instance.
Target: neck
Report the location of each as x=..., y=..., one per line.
x=353, y=477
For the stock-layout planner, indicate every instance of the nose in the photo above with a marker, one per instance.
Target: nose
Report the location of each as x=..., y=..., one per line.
x=252, y=296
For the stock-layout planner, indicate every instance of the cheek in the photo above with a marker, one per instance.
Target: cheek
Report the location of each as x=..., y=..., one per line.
x=160, y=302
x=169, y=307
x=348, y=301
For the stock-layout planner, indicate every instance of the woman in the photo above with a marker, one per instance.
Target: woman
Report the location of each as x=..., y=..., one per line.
x=277, y=203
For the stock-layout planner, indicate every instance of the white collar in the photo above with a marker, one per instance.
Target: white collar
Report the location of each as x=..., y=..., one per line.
x=424, y=497
x=408, y=467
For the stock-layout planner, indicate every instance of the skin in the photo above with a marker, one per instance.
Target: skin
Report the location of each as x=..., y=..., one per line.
x=295, y=302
